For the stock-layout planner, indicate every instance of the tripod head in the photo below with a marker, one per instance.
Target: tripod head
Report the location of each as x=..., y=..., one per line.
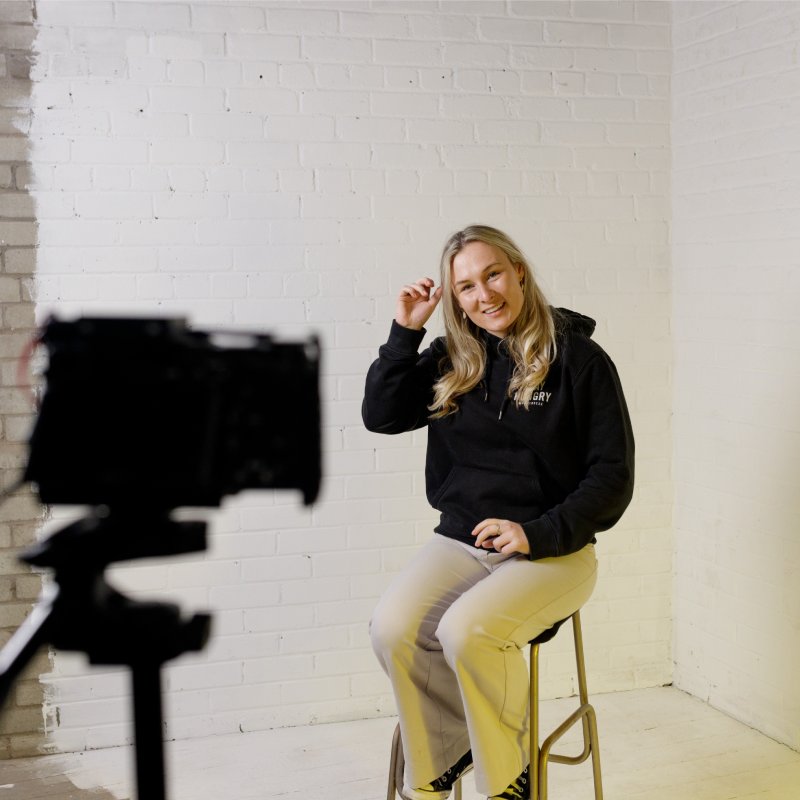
x=108, y=535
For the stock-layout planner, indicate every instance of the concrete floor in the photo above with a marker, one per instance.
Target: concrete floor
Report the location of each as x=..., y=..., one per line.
x=656, y=744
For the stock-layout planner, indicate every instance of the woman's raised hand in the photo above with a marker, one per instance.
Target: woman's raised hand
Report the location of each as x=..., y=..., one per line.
x=416, y=302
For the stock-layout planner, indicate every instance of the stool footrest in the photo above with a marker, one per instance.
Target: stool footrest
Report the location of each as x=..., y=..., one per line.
x=585, y=713
x=576, y=716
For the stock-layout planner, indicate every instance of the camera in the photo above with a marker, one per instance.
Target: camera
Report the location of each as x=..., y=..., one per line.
x=148, y=412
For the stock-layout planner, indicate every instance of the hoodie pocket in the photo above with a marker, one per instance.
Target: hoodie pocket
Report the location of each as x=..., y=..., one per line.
x=443, y=489
x=472, y=493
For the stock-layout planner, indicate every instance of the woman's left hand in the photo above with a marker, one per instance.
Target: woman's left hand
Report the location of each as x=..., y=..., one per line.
x=502, y=535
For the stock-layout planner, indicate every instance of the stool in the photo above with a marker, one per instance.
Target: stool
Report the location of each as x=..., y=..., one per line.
x=540, y=754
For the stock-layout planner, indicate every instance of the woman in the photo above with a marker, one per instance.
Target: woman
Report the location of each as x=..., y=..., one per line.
x=530, y=453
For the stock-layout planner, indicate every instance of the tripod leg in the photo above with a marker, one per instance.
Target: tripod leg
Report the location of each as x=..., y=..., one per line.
x=29, y=637
x=149, y=738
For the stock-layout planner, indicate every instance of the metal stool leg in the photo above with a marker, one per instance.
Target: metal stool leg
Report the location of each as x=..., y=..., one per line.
x=590, y=737
x=396, y=767
x=541, y=756
x=534, y=768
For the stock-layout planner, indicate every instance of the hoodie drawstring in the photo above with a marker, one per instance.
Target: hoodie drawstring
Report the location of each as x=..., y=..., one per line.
x=506, y=398
x=488, y=378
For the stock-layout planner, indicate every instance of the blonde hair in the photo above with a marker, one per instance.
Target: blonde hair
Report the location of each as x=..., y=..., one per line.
x=530, y=341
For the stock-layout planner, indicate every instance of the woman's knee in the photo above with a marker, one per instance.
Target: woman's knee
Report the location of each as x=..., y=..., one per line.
x=390, y=630
x=457, y=635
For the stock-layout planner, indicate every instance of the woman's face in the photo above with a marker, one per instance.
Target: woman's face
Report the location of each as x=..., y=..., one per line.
x=487, y=287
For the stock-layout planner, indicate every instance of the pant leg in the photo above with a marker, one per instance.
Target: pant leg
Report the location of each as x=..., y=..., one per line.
x=482, y=634
x=403, y=634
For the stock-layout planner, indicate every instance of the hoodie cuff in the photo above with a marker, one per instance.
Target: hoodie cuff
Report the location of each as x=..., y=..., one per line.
x=404, y=341
x=542, y=539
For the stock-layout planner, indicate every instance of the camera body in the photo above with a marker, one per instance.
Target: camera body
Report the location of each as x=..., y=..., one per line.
x=146, y=412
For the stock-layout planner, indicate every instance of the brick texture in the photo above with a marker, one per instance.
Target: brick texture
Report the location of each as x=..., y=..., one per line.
x=21, y=720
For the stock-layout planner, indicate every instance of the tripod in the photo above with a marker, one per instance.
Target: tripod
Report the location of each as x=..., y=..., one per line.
x=81, y=611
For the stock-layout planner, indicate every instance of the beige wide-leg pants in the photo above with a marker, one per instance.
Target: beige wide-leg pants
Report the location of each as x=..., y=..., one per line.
x=449, y=631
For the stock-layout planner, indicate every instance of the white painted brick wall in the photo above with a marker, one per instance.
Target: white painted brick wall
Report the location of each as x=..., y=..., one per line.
x=737, y=371
x=257, y=166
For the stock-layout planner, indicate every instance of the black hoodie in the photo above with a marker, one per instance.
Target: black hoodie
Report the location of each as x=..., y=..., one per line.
x=563, y=468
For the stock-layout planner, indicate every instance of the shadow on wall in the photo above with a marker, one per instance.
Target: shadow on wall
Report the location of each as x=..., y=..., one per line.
x=21, y=723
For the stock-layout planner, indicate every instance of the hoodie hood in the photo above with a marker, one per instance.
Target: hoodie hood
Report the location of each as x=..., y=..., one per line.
x=567, y=320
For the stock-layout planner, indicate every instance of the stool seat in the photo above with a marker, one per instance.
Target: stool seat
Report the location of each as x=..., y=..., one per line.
x=540, y=755
x=548, y=634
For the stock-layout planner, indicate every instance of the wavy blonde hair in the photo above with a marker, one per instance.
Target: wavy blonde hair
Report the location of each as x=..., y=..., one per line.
x=531, y=339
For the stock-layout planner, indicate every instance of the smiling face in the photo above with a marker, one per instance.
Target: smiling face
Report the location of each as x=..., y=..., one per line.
x=486, y=286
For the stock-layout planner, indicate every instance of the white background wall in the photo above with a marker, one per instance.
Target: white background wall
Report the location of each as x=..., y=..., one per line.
x=285, y=167
x=736, y=277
